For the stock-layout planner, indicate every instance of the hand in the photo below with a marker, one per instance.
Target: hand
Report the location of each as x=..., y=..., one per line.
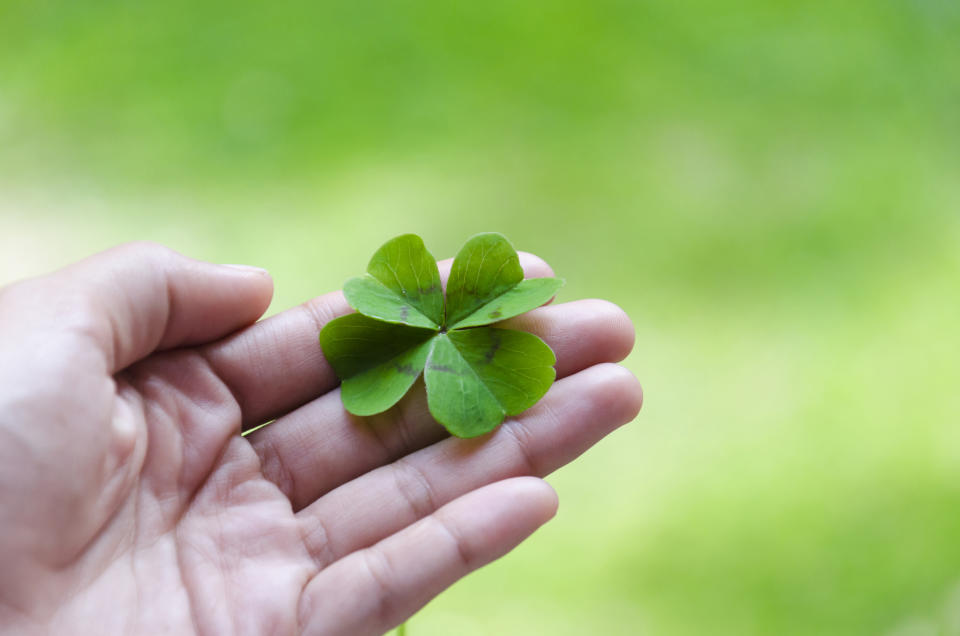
x=129, y=502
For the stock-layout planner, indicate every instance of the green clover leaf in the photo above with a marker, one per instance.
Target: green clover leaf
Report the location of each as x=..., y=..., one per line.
x=475, y=374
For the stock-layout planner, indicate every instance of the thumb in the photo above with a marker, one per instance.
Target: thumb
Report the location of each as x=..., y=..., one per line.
x=141, y=297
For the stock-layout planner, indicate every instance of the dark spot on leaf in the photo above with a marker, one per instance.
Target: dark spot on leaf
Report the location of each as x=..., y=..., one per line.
x=494, y=346
x=443, y=368
x=496, y=314
x=404, y=312
x=406, y=369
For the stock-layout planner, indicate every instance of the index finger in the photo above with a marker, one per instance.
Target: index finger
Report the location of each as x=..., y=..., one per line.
x=276, y=365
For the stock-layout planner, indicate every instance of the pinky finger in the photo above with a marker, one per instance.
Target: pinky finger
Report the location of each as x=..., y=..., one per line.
x=374, y=589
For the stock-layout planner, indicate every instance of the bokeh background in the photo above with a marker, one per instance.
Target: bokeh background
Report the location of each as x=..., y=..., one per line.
x=770, y=189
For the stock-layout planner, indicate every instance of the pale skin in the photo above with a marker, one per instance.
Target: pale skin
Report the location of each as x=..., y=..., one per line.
x=131, y=504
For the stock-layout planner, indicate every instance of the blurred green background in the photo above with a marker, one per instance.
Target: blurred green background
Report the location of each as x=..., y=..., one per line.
x=771, y=190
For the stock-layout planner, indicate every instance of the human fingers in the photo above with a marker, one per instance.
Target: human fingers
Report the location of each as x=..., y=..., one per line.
x=577, y=412
x=374, y=589
x=277, y=364
x=320, y=446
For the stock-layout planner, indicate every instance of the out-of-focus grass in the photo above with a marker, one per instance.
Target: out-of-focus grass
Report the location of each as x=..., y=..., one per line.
x=771, y=191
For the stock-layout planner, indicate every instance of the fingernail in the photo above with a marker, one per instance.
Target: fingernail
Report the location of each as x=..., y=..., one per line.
x=248, y=268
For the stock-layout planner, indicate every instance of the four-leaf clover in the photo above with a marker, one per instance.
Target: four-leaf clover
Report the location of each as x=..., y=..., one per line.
x=475, y=374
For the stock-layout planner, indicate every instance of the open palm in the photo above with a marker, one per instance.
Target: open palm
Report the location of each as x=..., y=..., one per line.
x=129, y=502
